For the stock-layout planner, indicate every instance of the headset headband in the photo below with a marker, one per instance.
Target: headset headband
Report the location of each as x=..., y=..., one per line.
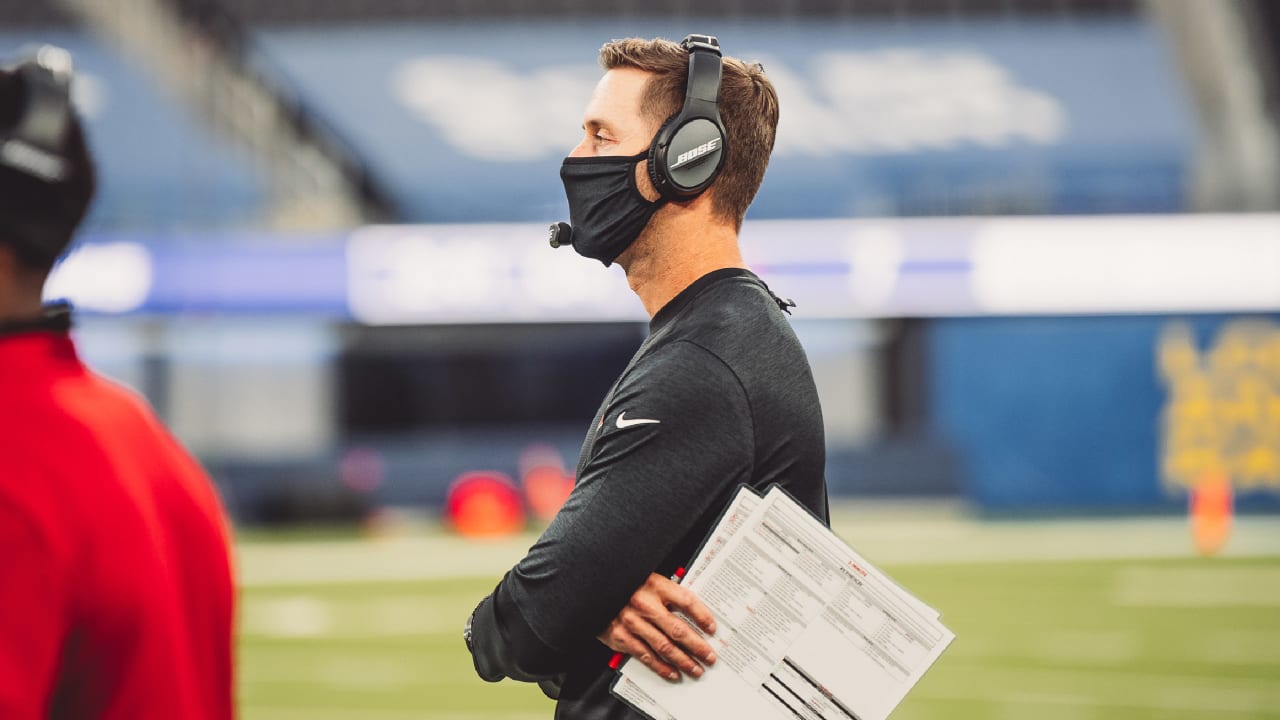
x=702, y=97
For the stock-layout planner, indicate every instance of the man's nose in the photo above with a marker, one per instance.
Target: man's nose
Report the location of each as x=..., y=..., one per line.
x=583, y=149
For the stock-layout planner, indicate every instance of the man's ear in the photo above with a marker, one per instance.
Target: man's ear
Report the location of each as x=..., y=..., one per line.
x=644, y=183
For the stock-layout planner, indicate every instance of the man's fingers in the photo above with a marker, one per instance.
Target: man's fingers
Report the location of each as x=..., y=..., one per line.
x=649, y=630
x=667, y=650
x=662, y=641
x=649, y=605
x=699, y=614
x=654, y=623
x=692, y=642
x=629, y=644
x=684, y=600
x=619, y=639
x=654, y=605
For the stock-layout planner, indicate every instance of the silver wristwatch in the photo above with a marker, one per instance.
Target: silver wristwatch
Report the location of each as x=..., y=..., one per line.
x=466, y=631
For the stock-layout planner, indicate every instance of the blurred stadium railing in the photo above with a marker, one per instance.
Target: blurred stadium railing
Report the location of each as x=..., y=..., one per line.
x=203, y=55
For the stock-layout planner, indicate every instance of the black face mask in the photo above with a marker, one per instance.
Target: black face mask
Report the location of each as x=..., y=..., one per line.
x=606, y=210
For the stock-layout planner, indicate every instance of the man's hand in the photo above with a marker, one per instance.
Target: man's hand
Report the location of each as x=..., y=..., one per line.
x=649, y=631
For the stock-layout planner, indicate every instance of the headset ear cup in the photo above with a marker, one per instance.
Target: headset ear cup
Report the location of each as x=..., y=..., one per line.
x=694, y=156
x=659, y=172
x=686, y=156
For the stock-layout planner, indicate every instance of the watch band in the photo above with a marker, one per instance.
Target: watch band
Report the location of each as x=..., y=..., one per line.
x=466, y=631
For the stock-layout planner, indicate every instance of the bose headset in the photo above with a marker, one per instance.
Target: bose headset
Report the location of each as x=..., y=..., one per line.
x=688, y=151
x=35, y=145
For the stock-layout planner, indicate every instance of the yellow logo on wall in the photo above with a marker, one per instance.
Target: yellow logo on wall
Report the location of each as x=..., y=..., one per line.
x=1222, y=417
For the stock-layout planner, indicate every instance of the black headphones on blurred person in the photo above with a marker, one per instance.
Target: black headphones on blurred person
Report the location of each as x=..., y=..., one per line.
x=688, y=151
x=35, y=145
x=46, y=175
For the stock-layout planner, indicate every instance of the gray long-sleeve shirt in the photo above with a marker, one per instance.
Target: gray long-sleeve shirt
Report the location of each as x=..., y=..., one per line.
x=720, y=394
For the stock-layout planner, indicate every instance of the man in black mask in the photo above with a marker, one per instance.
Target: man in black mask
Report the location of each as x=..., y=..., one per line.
x=720, y=394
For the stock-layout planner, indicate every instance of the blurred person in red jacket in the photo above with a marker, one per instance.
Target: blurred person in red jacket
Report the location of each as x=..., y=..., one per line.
x=116, y=591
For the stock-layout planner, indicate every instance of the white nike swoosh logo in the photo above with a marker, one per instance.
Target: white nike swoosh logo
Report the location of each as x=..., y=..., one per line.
x=623, y=422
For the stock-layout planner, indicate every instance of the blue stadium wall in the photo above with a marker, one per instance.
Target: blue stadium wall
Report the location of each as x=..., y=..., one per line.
x=1086, y=413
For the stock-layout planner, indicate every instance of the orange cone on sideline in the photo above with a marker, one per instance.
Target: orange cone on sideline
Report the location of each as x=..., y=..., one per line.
x=484, y=504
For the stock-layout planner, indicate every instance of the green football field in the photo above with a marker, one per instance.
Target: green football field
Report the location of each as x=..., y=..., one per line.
x=1089, y=620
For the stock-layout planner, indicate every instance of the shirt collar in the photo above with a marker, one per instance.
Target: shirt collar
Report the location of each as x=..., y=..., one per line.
x=25, y=352
x=686, y=296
